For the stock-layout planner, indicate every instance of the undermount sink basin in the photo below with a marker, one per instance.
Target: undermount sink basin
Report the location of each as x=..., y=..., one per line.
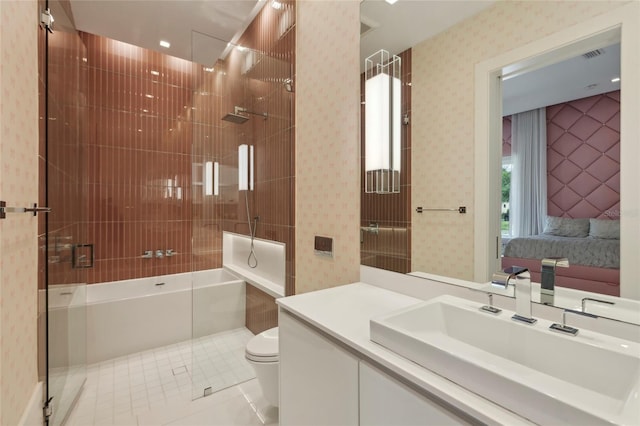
x=542, y=375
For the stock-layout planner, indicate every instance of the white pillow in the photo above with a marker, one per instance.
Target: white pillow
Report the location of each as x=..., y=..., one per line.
x=604, y=228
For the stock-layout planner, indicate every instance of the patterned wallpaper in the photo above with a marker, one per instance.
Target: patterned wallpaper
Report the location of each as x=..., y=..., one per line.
x=327, y=142
x=18, y=186
x=443, y=117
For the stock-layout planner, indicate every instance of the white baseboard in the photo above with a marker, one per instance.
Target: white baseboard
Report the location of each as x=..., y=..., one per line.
x=32, y=415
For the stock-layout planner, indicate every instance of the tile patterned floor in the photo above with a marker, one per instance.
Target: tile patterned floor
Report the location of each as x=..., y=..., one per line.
x=156, y=387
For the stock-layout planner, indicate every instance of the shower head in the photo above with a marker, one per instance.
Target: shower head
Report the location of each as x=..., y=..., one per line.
x=235, y=118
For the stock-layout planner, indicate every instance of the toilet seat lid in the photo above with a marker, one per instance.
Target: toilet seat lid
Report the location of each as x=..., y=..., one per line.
x=264, y=344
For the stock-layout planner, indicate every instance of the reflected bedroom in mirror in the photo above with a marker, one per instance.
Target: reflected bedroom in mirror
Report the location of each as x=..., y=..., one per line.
x=561, y=172
x=560, y=161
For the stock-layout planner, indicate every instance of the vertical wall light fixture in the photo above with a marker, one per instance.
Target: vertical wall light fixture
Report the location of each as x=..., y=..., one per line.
x=211, y=178
x=383, y=122
x=245, y=167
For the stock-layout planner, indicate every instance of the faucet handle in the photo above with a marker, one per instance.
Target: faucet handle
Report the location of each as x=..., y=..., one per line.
x=490, y=308
x=585, y=299
x=564, y=328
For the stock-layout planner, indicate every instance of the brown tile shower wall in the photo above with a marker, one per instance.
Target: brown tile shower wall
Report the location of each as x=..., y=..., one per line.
x=264, y=68
x=66, y=121
x=138, y=160
x=389, y=247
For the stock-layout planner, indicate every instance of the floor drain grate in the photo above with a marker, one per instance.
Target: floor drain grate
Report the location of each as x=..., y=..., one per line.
x=179, y=370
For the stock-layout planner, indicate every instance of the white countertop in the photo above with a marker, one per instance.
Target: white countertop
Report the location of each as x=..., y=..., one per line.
x=344, y=312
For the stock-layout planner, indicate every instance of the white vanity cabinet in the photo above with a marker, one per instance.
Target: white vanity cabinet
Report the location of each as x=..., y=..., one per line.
x=385, y=401
x=318, y=379
x=322, y=383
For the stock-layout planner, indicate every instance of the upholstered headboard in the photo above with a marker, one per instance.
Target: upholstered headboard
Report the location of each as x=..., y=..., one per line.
x=583, y=157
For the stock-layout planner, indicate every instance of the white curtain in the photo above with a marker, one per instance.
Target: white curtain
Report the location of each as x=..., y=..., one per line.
x=528, y=198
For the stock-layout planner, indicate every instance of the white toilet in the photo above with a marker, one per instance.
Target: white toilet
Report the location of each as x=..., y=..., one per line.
x=262, y=354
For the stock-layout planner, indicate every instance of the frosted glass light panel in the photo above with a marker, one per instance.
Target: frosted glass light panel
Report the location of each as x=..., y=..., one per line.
x=245, y=167
x=383, y=122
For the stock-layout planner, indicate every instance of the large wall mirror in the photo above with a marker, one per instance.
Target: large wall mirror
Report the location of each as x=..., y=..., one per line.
x=610, y=198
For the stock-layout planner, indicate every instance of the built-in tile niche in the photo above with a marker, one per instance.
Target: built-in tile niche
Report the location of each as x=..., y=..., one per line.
x=385, y=219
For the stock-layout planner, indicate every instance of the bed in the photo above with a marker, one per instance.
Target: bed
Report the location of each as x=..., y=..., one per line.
x=591, y=245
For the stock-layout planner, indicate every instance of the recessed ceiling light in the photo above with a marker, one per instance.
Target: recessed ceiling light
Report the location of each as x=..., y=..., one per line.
x=164, y=43
x=615, y=80
x=391, y=1
x=276, y=4
x=154, y=72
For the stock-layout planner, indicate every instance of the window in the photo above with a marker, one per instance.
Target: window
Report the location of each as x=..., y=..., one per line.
x=506, y=189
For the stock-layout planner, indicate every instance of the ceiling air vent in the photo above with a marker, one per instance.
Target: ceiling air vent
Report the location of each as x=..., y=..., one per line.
x=593, y=54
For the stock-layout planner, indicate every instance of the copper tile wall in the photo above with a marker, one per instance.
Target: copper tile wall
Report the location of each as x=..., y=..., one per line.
x=263, y=68
x=260, y=313
x=389, y=247
x=138, y=160
x=66, y=130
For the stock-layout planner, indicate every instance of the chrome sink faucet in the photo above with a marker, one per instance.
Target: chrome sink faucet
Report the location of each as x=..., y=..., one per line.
x=522, y=291
x=548, y=280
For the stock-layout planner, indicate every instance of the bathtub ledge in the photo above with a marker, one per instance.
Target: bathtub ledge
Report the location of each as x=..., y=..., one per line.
x=269, y=287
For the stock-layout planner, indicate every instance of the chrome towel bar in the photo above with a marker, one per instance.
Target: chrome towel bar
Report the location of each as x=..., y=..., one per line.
x=461, y=210
x=35, y=209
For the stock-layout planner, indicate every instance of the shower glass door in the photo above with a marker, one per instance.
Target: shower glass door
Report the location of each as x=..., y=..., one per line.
x=63, y=258
x=218, y=322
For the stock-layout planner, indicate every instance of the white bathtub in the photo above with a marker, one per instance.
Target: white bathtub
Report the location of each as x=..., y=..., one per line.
x=128, y=316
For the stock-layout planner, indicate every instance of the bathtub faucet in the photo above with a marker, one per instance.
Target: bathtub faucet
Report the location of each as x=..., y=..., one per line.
x=159, y=254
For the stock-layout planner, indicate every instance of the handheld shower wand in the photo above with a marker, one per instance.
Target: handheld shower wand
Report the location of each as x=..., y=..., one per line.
x=252, y=260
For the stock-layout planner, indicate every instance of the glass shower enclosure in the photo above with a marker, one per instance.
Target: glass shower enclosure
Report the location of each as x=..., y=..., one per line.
x=63, y=252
